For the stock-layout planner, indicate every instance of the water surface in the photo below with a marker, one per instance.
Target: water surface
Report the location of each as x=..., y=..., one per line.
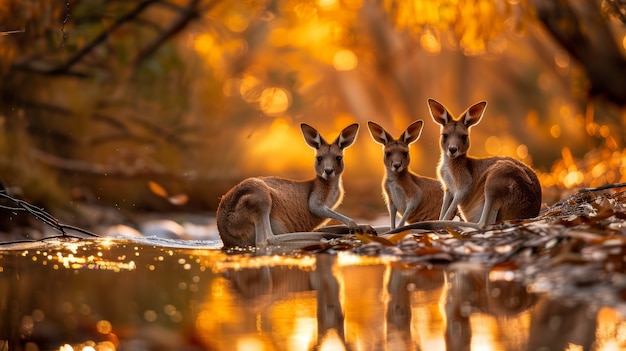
x=155, y=294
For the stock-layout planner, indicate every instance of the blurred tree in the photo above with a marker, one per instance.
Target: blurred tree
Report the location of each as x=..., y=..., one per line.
x=91, y=88
x=93, y=93
x=585, y=32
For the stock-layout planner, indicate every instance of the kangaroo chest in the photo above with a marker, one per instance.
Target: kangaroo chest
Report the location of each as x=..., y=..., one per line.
x=327, y=196
x=396, y=195
x=456, y=175
x=466, y=183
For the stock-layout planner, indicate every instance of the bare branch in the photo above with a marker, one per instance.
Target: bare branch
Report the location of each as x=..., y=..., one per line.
x=40, y=214
x=65, y=67
x=187, y=14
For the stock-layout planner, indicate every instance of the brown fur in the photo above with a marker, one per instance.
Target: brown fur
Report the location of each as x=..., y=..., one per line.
x=416, y=198
x=257, y=209
x=484, y=190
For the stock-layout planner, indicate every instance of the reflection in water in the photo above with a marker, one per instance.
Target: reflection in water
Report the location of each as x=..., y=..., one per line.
x=130, y=295
x=482, y=311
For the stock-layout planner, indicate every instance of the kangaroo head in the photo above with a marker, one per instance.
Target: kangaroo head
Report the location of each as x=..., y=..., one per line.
x=455, y=131
x=396, y=151
x=329, y=157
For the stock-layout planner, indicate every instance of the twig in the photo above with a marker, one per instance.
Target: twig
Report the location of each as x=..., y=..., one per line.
x=65, y=20
x=8, y=32
x=42, y=215
x=603, y=187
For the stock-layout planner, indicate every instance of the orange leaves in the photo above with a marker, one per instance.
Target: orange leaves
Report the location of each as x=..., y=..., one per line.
x=157, y=189
x=478, y=25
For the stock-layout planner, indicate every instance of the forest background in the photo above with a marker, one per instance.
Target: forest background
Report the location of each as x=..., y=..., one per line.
x=164, y=105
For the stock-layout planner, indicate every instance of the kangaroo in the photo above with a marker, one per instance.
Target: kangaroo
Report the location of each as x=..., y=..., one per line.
x=484, y=190
x=417, y=198
x=254, y=211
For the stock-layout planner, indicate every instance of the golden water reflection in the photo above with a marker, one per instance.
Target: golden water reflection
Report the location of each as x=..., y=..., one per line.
x=125, y=295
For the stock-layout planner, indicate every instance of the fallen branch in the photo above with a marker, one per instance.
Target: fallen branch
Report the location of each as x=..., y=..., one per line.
x=41, y=215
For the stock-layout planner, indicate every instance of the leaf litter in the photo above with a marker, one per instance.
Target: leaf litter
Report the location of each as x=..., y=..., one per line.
x=576, y=247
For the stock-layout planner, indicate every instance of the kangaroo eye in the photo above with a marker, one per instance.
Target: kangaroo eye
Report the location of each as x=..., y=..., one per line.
x=405, y=154
x=339, y=158
x=319, y=158
x=464, y=138
x=444, y=136
x=387, y=154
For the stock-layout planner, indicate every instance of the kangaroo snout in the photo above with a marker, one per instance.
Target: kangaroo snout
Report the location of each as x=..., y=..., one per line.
x=452, y=150
x=328, y=172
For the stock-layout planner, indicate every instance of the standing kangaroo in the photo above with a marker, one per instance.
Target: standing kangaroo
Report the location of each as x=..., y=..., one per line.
x=257, y=209
x=416, y=198
x=485, y=190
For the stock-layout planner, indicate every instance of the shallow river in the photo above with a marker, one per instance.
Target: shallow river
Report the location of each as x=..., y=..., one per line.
x=157, y=294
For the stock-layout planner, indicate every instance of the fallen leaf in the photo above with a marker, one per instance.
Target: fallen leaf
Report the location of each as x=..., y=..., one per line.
x=368, y=238
x=453, y=232
x=157, y=189
x=396, y=238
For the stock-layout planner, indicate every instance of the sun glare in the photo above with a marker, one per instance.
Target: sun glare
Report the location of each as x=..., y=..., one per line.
x=280, y=149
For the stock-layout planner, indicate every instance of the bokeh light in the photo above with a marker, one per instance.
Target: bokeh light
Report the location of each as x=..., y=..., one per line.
x=430, y=42
x=274, y=101
x=345, y=60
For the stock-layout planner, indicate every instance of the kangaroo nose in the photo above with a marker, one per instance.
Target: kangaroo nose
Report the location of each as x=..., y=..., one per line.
x=328, y=171
x=396, y=166
x=453, y=150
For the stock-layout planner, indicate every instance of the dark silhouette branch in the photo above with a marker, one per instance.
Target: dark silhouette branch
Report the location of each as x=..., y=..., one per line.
x=101, y=38
x=68, y=67
x=583, y=32
x=187, y=14
x=65, y=68
x=616, y=8
x=40, y=214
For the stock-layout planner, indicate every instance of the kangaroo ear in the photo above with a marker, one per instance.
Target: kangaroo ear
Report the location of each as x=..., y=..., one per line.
x=347, y=136
x=474, y=113
x=378, y=133
x=438, y=112
x=413, y=132
x=312, y=136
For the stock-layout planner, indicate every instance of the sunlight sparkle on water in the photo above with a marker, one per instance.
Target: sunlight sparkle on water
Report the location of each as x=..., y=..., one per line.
x=303, y=335
x=331, y=342
x=249, y=344
x=106, y=243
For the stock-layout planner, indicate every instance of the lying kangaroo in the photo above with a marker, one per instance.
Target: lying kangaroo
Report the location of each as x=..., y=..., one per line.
x=485, y=190
x=257, y=209
x=416, y=198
